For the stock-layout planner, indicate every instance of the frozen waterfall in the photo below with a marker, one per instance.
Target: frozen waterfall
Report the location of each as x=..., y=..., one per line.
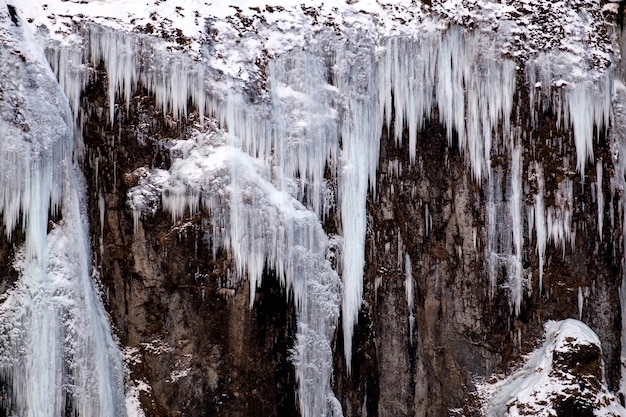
x=287, y=146
x=56, y=349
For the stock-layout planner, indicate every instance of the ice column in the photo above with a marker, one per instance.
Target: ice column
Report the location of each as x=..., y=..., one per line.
x=540, y=222
x=515, y=207
x=504, y=228
x=599, y=198
x=56, y=349
x=361, y=125
x=408, y=289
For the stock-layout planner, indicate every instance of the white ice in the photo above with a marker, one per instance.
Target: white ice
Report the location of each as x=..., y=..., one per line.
x=310, y=127
x=56, y=347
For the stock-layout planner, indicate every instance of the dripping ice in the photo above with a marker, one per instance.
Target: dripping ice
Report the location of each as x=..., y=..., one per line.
x=303, y=126
x=56, y=348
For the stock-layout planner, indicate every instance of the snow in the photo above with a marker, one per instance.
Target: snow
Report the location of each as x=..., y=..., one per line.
x=133, y=406
x=541, y=382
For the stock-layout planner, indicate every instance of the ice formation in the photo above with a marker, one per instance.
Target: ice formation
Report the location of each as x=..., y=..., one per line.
x=56, y=348
x=305, y=134
x=618, y=185
x=409, y=289
x=263, y=227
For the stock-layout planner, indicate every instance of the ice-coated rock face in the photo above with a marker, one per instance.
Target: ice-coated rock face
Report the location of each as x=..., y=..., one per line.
x=564, y=377
x=347, y=208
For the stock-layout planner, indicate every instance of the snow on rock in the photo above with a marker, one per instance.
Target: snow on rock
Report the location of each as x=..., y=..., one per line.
x=564, y=377
x=262, y=226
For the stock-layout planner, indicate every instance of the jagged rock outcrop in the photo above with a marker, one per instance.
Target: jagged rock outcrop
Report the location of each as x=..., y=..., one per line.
x=564, y=377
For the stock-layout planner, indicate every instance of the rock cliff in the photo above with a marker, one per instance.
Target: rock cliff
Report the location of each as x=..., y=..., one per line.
x=367, y=208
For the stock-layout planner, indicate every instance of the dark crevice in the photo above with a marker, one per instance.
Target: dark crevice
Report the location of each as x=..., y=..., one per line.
x=13, y=15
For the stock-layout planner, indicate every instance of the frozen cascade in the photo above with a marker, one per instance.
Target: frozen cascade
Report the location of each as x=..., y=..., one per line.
x=302, y=125
x=438, y=68
x=261, y=226
x=56, y=348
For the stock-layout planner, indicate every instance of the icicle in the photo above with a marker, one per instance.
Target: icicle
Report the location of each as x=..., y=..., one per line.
x=581, y=301
x=67, y=64
x=491, y=214
x=582, y=104
x=427, y=219
x=515, y=205
x=101, y=210
x=559, y=216
x=599, y=198
x=307, y=136
x=361, y=124
x=408, y=288
x=540, y=223
x=130, y=58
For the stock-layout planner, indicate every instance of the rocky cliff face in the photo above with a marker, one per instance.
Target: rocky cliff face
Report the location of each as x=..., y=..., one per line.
x=459, y=165
x=195, y=347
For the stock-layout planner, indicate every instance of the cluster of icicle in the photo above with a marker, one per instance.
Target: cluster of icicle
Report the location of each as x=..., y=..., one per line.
x=57, y=354
x=254, y=215
x=263, y=226
x=325, y=113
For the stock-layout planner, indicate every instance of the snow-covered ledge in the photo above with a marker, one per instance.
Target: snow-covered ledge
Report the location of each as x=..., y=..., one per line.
x=564, y=377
